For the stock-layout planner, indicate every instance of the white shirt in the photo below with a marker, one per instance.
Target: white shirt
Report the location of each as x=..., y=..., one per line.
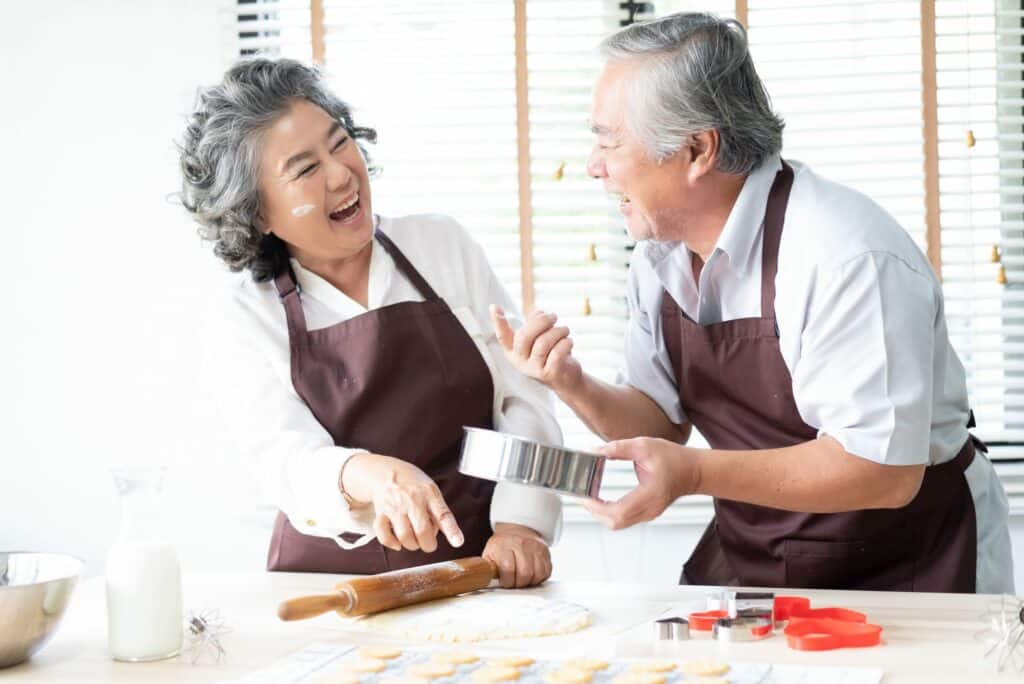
x=861, y=330
x=247, y=367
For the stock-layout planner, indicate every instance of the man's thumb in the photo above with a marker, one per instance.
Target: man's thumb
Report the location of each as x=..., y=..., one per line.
x=501, y=327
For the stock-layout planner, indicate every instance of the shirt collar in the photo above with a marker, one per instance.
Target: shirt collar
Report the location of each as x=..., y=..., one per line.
x=739, y=235
x=312, y=285
x=741, y=228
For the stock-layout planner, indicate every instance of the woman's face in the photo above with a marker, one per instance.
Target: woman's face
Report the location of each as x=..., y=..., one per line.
x=314, y=187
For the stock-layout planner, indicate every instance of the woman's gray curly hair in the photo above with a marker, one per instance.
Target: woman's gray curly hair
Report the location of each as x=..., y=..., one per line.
x=220, y=155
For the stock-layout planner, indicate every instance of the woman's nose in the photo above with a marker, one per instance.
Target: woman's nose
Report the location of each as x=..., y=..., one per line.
x=338, y=174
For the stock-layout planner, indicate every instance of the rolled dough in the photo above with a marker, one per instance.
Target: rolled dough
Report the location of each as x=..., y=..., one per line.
x=481, y=616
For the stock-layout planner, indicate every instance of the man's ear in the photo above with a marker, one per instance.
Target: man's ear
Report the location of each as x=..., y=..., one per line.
x=703, y=150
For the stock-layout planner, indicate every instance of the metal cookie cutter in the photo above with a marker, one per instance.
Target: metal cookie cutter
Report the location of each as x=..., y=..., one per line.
x=671, y=629
x=497, y=456
x=744, y=601
x=719, y=599
x=738, y=629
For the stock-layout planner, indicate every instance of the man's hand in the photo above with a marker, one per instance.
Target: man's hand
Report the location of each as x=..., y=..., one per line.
x=521, y=555
x=409, y=507
x=665, y=471
x=539, y=349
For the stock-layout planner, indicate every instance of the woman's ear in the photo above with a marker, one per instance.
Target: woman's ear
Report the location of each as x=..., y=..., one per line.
x=261, y=225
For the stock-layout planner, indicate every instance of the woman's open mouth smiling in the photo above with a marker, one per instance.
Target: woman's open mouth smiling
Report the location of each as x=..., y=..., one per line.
x=347, y=210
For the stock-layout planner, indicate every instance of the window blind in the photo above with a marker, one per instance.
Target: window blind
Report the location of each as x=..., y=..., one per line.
x=846, y=77
x=980, y=92
x=437, y=81
x=279, y=28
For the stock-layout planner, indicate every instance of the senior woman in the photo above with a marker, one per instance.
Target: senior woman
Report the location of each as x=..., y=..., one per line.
x=352, y=349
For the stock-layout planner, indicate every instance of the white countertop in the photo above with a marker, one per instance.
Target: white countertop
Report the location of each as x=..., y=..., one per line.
x=926, y=638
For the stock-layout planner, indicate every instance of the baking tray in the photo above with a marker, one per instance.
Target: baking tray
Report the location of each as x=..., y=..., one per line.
x=501, y=457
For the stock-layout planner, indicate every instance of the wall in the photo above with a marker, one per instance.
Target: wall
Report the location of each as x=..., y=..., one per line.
x=105, y=278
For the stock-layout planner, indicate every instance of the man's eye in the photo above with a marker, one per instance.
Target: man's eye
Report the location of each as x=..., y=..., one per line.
x=340, y=144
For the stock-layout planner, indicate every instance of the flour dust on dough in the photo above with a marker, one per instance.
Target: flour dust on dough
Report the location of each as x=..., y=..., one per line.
x=480, y=617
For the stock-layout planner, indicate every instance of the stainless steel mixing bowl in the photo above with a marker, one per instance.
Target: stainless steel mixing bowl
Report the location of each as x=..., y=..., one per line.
x=497, y=456
x=34, y=591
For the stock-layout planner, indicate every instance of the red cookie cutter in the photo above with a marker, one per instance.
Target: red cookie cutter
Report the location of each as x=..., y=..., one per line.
x=825, y=634
x=840, y=614
x=704, y=621
x=787, y=605
x=798, y=607
x=763, y=630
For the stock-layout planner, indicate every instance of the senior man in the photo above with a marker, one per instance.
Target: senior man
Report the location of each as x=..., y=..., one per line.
x=793, y=322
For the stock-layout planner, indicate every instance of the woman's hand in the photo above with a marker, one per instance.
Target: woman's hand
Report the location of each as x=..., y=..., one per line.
x=409, y=508
x=521, y=555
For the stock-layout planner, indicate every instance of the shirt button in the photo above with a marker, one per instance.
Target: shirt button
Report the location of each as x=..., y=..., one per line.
x=311, y=522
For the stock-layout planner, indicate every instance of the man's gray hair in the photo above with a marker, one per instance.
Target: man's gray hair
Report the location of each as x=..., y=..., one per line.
x=220, y=155
x=696, y=75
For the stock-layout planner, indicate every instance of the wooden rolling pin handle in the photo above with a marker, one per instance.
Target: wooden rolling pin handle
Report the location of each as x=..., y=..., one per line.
x=376, y=593
x=310, y=606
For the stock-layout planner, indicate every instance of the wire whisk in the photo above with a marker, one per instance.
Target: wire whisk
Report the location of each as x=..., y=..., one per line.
x=203, y=632
x=1005, y=633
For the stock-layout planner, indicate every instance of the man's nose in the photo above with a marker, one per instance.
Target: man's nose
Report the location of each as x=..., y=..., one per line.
x=595, y=164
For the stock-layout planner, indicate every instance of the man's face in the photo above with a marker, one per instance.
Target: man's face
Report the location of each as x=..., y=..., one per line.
x=652, y=195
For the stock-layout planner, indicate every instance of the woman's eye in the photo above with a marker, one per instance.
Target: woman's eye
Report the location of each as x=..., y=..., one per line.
x=339, y=145
x=306, y=170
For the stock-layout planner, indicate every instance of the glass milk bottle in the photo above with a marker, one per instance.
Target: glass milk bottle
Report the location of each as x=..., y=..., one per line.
x=144, y=617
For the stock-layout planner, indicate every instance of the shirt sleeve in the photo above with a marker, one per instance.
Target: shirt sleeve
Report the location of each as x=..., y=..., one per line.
x=296, y=463
x=864, y=375
x=522, y=406
x=648, y=367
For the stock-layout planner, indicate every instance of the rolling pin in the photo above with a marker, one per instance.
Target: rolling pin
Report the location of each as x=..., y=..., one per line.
x=377, y=593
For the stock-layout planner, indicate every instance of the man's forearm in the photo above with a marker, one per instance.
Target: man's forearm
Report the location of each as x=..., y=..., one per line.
x=814, y=477
x=620, y=411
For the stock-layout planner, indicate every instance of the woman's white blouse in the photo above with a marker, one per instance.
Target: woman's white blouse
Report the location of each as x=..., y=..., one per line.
x=247, y=368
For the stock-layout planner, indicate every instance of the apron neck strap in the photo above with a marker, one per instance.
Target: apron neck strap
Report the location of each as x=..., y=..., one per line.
x=774, y=217
x=288, y=291
x=405, y=267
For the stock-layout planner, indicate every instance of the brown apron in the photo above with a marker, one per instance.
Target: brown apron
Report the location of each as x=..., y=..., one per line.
x=735, y=388
x=402, y=381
